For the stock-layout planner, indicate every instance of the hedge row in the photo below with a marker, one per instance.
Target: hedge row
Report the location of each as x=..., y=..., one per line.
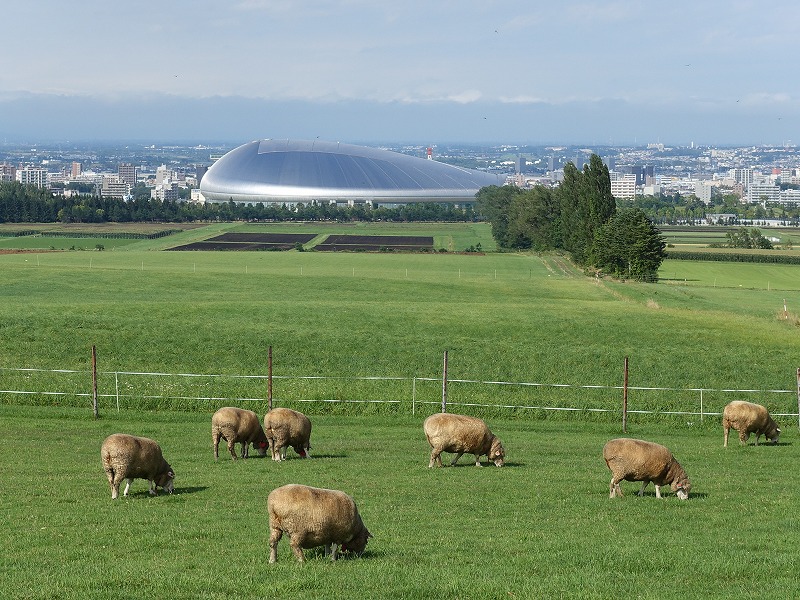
x=785, y=259
x=111, y=235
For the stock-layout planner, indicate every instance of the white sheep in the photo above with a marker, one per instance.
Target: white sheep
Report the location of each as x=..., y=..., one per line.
x=129, y=457
x=637, y=460
x=748, y=418
x=285, y=427
x=461, y=434
x=237, y=425
x=314, y=517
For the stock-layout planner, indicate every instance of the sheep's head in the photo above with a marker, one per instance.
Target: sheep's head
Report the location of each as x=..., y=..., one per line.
x=681, y=488
x=358, y=543
x=774, y=435
x=165, y=480
x=261, y=447
x=497, y=453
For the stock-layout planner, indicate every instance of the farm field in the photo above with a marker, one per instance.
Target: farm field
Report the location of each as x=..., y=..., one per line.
x=541, y=526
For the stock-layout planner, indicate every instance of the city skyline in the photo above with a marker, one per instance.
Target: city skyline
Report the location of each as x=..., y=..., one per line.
x=576, y=72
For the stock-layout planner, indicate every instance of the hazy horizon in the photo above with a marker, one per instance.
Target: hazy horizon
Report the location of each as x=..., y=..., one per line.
x=613, y=72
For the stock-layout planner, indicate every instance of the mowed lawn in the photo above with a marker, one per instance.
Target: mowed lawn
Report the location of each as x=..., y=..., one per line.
x=542, y=526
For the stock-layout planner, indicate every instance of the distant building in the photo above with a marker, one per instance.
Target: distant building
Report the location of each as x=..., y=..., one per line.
x=75, y=172
x=128, y=173
x=114, y=187
x=32, y=176
x=702, y=189
x=623, y=185
x=763, y=192
x=642, y=172
x=165, y=191
x=743, y=176
x=8, y=172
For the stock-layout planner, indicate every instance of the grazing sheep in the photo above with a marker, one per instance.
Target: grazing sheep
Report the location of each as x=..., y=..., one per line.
x=460, y=434
x=237, y=425
x=314, y=517
x=748, y=418
x=637, y=460
x=286, y=427
x=129, y=457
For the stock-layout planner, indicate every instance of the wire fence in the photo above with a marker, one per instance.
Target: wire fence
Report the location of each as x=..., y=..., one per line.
x=133, y=390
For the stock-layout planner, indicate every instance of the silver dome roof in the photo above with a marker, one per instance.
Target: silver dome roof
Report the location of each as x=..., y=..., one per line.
x=294, y=171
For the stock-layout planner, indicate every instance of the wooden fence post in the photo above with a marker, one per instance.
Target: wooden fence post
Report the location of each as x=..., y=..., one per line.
x=798, y=398
x=444, y=383
x=94, y=382
x=269, y=379
x=625, y=398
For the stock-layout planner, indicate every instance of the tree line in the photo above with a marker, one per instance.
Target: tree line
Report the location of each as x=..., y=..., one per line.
x=579, y=217
x=30, y=204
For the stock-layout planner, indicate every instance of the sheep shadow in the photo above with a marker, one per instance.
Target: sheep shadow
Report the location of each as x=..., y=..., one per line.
x=190, y=490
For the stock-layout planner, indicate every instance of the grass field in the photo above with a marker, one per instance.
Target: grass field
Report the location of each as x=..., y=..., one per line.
x=541, y=526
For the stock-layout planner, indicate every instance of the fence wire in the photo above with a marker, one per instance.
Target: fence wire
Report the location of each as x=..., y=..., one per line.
x=137, y=390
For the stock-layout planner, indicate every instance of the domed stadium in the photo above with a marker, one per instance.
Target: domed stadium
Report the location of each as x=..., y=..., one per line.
x=292, y=171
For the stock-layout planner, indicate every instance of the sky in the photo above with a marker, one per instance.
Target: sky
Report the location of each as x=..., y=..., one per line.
x=603, y=72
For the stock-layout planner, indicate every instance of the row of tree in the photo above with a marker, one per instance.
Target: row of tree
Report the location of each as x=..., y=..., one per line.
x=30, y=204
x=579, y=217
x=674, y=209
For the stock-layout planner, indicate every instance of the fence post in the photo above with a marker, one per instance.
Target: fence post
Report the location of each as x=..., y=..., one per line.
x=625, y=398
x=94, y=381
x=269, y=379
x=444, y=383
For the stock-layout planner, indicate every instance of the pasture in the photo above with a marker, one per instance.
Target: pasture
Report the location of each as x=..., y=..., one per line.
x=541, y=526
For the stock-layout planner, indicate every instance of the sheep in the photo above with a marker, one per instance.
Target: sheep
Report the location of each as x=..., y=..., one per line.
x=237, y=425
x=637, y=460
x=286, y=427
x=314, y=517
x=748, y=418
x=129, y=457
x=459, y=434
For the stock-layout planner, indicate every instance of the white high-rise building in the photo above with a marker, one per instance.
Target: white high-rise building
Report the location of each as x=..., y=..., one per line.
x=32, y=176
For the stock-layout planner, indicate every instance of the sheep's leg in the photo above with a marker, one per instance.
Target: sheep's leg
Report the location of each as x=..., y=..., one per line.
x=436, y=459
x=114, y=481
x=215, y=443
x=478, y=460
x=127, y=486
x=658, y=491
x=726, y=428
x=644, y=485
x=758, y=435
x=152, y=489
x=245, y=449
x=614, y=489
x=275, y=535
x=743, y=436
x=455, y=459
x=232, y=448
x=333, y=549
x=297, y=550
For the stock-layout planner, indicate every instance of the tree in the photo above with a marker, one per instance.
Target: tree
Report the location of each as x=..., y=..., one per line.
x=533, y=220
x=745, y=237
x=629, y=246
x=494, y=203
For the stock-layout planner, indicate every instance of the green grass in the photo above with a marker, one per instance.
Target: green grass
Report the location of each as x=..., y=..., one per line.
x=542, y=526
x=501, y=317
